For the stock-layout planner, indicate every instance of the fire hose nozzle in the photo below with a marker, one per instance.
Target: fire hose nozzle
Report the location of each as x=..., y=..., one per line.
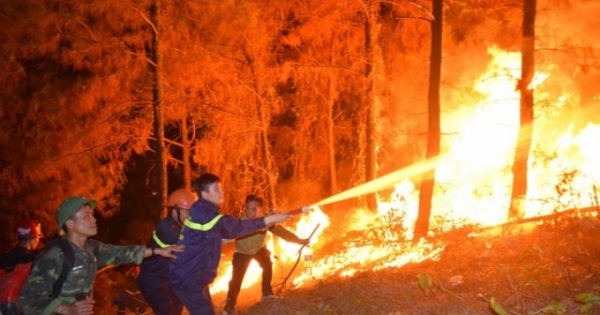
x=302, y=209
x=297, y=211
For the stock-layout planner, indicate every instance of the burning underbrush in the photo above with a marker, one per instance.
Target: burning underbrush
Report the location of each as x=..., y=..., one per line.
x=525, y=267
x=530, y=267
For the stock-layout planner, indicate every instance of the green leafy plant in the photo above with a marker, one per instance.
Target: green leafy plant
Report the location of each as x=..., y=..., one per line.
x=497, y=307
x=425, y=282
x=554, y=308
x=588, y=300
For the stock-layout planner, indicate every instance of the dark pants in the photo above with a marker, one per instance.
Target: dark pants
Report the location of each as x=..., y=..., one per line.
x=196, y=299
x=240, y=265
x=159, y=296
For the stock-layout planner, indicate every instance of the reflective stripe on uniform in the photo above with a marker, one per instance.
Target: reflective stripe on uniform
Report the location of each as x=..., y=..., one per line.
x=202, y=227
x=158, y=241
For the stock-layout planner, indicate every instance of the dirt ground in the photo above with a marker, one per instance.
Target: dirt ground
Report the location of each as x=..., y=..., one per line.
x=537, y=268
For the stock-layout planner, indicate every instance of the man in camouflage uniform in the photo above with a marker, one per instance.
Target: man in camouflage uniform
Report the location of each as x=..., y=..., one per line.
x=75, y=217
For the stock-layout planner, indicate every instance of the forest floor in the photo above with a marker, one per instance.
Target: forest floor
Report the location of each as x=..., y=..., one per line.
x=538, y=268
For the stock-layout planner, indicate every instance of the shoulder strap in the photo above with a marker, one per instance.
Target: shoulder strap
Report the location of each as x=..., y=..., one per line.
x=68, y=263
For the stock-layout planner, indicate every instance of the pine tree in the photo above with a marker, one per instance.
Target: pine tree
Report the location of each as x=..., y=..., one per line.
x=74, y=102
x=521, y=159
x=433, y=128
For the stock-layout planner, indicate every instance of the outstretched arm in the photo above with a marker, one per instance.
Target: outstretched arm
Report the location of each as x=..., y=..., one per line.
x=233, y=228
x=276, y=218
x=287, y=235
x=167, y=252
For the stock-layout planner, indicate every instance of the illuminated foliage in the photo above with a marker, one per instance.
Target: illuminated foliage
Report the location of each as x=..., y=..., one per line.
x=74, y=102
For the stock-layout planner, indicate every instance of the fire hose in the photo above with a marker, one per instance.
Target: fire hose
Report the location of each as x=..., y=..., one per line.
x=297, y=260
x=293, y=212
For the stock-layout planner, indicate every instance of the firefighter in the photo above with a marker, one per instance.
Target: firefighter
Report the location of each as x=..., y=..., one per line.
x=29, y=233
x=15, y=265
x=196, y=267
x=152, y=279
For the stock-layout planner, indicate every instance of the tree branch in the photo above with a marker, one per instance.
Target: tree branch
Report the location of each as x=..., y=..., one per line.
x=146, y=19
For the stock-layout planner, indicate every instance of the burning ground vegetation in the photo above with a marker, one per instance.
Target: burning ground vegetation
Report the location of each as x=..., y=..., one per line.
x=544, y=265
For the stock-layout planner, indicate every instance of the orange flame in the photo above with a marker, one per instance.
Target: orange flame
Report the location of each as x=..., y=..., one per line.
x=473, y=178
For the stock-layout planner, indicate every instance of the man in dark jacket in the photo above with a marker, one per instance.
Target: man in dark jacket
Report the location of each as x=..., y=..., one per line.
x=15, y=265
x=29, y=233
x=152, y=279
x=196, y=267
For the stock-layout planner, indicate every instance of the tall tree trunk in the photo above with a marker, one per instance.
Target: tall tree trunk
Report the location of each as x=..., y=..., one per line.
x=520, y=164
x=185, y=141
x=264, y=123
x=433, y=129
x=333, y=92
x=157, y=110
x=371, y=30
x=268, y=159
x=330, y=134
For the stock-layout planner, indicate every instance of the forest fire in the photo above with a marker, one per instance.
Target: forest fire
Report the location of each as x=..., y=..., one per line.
x=473, y=179
x=473, y=124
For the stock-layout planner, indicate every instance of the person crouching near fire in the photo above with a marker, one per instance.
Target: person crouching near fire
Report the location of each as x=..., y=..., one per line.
x=254, y=247
x=196, y=267
x=75, y=217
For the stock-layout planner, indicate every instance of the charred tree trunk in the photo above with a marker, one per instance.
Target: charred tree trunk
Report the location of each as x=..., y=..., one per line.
x=159, y=129
x=433, y=130
x=330, y=134
x=520, y=165
x=268, y=159
x=187, y=167
x=371, y=30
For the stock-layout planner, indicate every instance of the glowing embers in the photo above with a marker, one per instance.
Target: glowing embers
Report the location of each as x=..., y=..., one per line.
x=368, y=257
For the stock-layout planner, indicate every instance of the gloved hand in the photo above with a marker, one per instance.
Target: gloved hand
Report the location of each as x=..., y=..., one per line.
x=304, y=241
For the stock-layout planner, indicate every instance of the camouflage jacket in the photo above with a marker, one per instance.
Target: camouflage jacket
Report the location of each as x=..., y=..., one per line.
x=35, y=297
